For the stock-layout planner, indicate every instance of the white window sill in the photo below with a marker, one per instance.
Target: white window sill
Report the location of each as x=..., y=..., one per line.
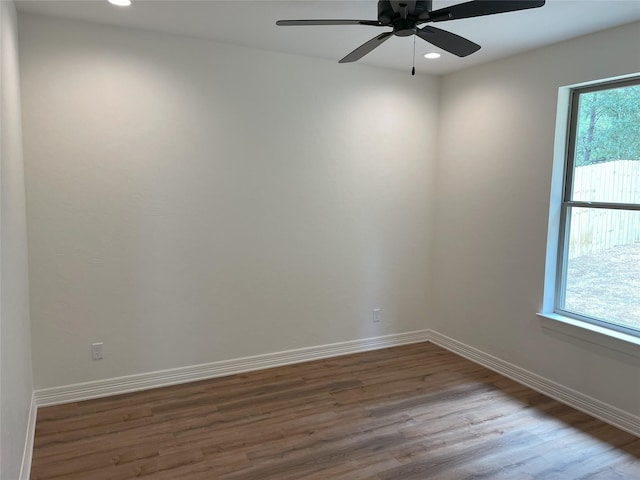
x=612, y=339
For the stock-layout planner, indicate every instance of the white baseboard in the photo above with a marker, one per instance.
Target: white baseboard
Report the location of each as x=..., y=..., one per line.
x=603, y=411
x=133, y=383
x=174, y=376
x=25, y=468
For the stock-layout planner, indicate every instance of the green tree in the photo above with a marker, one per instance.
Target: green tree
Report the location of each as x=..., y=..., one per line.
x=608, y=126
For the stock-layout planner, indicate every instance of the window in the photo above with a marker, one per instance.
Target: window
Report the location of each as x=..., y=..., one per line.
x=597, y=277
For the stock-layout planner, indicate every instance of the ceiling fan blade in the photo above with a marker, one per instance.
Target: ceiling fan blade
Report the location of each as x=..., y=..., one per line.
x=290, y=23
x=448, y=41
x=479, y=8
x=367, y=47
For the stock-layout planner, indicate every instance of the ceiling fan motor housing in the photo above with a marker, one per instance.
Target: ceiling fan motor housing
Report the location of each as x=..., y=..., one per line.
x=404, y=28
x=402, y=16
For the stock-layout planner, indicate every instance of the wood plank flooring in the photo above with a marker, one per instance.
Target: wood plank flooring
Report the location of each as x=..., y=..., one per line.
x=403, y=413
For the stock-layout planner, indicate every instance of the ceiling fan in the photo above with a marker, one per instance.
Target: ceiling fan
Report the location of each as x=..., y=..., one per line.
x=404, y=16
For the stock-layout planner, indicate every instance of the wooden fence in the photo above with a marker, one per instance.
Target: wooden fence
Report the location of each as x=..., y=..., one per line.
x=593, y=229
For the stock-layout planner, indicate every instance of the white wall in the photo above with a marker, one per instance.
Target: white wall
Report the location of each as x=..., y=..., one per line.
x=15, y=351
x=191, y=201
x=492, y=199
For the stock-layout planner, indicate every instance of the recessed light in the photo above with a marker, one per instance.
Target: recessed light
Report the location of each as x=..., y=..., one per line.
x=432, y=55
x=120, y=3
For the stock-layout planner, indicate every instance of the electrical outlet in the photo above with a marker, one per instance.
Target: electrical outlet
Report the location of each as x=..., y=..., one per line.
x=377, y=315
x=96, y=351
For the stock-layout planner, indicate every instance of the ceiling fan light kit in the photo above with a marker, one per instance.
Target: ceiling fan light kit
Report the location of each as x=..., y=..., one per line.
x=405, y=17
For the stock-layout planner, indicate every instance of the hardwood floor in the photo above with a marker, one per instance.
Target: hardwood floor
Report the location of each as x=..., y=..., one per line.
x=411, y=412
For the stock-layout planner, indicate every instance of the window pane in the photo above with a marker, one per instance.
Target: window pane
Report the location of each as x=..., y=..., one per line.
x=603, y=265
x=607, y=146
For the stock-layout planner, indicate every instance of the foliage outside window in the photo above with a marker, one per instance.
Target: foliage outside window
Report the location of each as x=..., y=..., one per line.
x=598, y=277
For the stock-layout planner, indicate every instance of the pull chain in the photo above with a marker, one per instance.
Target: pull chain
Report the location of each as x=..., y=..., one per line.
x=413, y=69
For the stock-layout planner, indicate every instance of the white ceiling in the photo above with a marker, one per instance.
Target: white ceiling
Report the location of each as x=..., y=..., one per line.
x=252, y=24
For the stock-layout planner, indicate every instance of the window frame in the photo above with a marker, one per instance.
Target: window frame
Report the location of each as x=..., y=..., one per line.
x=560, y=212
